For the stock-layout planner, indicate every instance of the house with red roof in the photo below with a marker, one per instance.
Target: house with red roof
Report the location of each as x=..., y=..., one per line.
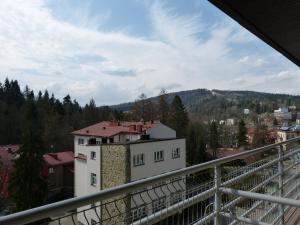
x=112, y=153
x=59, y=171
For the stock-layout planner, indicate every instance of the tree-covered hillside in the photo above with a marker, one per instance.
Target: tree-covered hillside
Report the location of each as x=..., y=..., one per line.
x=203, y=104
x=57, y=118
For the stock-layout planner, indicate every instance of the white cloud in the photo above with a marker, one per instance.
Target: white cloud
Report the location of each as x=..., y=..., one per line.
x=252, y=61
x=40, y=50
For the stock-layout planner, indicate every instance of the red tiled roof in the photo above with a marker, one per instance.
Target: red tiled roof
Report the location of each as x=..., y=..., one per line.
x=81, y=157
x=225, y=152
x=7, y=154
x=59, y=158
x=109, y=129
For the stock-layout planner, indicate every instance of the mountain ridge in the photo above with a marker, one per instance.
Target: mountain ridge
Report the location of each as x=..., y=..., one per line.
x=195, y=98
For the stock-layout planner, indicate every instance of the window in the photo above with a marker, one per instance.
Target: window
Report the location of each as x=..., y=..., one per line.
x=51, y=170
x=138, y=213
x=92, y=141
x=158, y=156
x=158, y=204
x=93, y=155
x=175, y=153
x=80, y=141
x=93, y=179
x=139, y=159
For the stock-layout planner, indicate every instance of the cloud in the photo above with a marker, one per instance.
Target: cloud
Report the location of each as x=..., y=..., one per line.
x=46, y=51
x=122, y=73
x=252, y=61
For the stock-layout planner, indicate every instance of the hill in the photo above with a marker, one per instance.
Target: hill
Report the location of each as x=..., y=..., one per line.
x=221, y=104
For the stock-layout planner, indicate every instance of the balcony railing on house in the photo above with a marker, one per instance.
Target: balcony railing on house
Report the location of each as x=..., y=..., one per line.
x=260, y=186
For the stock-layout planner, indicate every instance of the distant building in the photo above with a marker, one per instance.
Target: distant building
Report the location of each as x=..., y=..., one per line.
x=230, y=122
x=250, y=135
x=113, y=153
x=286, y=132
x=59, y=171
x=292, y=108
x=246, y=111
x=283, y=114
x=222, y=122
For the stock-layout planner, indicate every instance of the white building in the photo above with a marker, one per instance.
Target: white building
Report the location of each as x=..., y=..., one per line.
x=246, y=111
x=113, y=153
x=283, y=113
x=230, y=122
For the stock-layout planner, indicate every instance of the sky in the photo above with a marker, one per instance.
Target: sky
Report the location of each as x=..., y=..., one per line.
x=114, y=50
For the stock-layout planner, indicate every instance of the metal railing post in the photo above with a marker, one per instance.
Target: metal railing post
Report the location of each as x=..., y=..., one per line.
x=280, y=182
x=217, y=203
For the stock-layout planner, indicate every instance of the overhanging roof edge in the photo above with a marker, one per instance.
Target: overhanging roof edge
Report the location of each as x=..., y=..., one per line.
x=231, y=11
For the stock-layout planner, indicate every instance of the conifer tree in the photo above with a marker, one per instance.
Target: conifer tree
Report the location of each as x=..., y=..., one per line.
x=27, y=185
x=242, y=133
x=178, y=117
x=163, y=108
x=260, y=137
x=196, y=144
x=214, y=137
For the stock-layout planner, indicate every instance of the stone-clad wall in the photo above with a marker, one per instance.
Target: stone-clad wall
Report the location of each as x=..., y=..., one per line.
x=115, y=170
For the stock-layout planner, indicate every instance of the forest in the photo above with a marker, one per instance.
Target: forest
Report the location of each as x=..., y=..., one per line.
x=57, y=118
x=42, y=123
x=189, y=113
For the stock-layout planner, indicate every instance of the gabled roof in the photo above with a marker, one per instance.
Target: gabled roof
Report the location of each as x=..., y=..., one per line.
x=110, y=129
x=59, y=158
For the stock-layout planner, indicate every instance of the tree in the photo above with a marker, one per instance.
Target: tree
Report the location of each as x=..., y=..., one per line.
x=27, y=185
x=214, y=137
x=260, y=136
x=163, y=108
x=196, y=143
x=242, y=133
x=178, y=117
x=275, y=122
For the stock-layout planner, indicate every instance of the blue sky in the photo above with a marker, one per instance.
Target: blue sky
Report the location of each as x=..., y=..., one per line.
x=113, y=50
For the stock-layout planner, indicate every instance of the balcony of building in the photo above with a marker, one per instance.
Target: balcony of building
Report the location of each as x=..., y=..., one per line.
x=259, y=186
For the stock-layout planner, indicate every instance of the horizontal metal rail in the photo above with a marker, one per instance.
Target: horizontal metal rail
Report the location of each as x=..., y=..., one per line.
x=258, y=196
x=59, y=208
x=243, y=219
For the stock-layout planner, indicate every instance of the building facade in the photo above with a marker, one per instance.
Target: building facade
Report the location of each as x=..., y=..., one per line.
x=59, y=172
x=110, y=153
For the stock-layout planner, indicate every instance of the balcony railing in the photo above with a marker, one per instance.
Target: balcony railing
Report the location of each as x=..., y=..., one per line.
x=260, y=186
